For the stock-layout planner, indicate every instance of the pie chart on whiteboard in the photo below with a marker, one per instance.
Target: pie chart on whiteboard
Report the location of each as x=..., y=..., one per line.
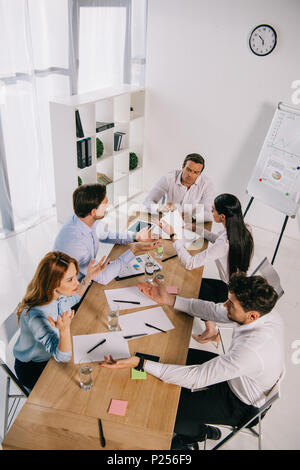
x=276, y=175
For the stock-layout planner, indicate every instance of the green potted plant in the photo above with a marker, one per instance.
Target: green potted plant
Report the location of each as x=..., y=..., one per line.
x=133, y=161
x=99, y=147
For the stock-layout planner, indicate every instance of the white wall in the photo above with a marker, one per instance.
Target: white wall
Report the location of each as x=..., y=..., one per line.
x=208, y=93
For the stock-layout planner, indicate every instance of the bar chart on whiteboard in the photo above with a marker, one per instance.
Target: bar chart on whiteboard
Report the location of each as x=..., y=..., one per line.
x=276, y=176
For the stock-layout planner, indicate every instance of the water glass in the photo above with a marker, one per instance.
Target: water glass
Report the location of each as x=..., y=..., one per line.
x=159, y=251
x=149, y=271
x=86, y=379
x=160, y=277
x=113, y=319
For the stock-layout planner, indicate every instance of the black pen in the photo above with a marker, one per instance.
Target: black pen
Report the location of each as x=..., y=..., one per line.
x=127, y=302
x=118, y=278
x=159, y=329
x=102, y=439
x=133, y=336
x=170, y=257
x=96, y=345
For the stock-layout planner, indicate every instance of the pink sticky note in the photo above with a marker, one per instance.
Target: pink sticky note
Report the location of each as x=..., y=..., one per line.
x=172, y=289
x=118, y=407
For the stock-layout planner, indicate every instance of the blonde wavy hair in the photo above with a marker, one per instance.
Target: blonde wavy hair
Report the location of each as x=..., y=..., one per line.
x=47, y=278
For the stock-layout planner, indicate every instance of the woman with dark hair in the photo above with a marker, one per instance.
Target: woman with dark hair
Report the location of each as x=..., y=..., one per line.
x=231, y=249
x=45, y=314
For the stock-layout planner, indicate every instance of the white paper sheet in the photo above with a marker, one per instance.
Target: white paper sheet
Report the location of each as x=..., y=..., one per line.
x=176, y=221
x=134, y=323
x=137, y=266
x=128, y=294
x=115, y=345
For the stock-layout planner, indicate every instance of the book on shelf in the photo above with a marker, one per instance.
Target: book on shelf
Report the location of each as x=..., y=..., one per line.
x=84, y=153
x=79, y=129
x=102, y=126
x=81, y=154
x=104, y=179
x=118, y=140
x=88, y=148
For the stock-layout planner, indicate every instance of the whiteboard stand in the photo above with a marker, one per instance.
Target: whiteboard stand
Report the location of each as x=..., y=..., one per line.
x=275, y=180
x=282, y=229
x=248, y=207
x=280, y=237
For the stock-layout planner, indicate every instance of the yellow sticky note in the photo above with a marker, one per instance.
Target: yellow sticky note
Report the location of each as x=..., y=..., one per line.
x=138, y=374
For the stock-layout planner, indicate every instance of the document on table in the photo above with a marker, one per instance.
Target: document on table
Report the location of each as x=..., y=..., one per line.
x=115, y=345
x=127, y=295
x=137, y=266
x=134, y=323
x=176, y=221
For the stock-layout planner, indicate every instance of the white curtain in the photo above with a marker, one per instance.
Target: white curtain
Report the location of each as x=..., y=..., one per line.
x=51, y=48
x=33, y=69
x=112, y=43
x=102, y=33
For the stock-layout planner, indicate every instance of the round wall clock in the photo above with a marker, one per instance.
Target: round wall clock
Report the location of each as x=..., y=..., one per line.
x=263, y=40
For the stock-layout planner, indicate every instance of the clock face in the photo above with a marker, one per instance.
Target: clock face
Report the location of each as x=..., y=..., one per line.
x=263, y=40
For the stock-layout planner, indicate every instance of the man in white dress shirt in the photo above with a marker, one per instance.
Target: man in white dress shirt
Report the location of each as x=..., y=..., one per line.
x=186, y=188
x=78, y=237
x=239, y=380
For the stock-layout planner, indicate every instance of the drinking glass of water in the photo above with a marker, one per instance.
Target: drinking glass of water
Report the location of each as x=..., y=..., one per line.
x=160, y=277
x=149, y=271
x=113, y=319
x=159, y=251
x=85, y=379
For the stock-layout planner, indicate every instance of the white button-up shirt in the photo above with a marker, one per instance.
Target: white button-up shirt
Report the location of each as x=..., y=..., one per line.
x=217, y=251
x=81, y=242
x=201, y=192
x=252, y=365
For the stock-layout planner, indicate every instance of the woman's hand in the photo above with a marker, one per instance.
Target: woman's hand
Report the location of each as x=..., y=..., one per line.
x=63, y=321
x=95, y=269
x=157, y=293
x=120, y=363
x=167, y=228
x=63, y=324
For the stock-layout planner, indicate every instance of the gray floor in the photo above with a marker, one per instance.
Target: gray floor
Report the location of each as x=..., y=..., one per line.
x=19, y=256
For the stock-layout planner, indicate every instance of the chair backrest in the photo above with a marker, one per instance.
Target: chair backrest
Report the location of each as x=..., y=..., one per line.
x=268, y=271
x=7, y=331
x=274, y=393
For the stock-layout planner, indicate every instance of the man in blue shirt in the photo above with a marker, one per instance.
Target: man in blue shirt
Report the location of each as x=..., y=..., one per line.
x=78, y=237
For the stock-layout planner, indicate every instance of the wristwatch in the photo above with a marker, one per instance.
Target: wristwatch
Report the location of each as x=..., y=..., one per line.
x=172, y=235
x=140, y=364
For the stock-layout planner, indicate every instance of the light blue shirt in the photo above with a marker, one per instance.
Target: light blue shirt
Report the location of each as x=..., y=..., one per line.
x=38, y=340
x=81, y=242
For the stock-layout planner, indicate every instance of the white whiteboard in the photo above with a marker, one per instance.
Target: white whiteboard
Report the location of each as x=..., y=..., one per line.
x=276, y=177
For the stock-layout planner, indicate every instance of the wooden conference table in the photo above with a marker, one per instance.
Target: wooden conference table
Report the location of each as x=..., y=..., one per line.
x=59, y=415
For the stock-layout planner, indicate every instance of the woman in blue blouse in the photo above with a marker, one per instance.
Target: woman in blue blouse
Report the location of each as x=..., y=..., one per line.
x=45, y=314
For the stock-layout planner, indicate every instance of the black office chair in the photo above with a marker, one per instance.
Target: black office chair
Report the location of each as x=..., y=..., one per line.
x=267, y=270
x=8, y=330
x=250, y=423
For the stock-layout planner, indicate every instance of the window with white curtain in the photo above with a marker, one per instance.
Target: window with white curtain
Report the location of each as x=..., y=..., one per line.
x=51, y=48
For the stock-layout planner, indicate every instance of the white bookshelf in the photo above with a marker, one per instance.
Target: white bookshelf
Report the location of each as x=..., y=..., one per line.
x=124, y=106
